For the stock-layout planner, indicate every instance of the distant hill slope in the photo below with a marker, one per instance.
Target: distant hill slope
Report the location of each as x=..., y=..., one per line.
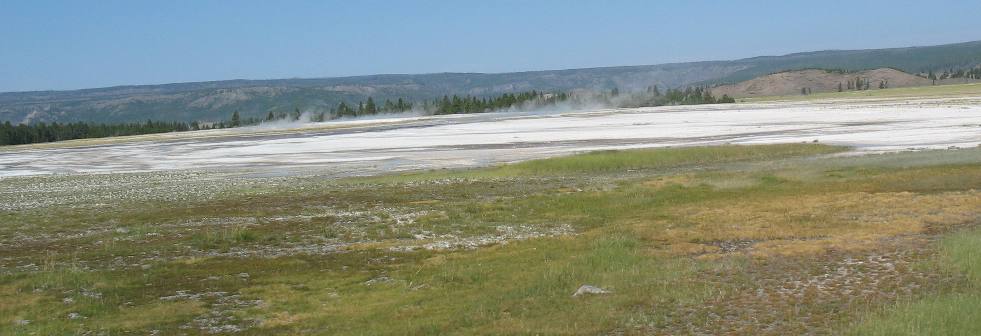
x=791, y=82
x=204, y=101
x=909, y=59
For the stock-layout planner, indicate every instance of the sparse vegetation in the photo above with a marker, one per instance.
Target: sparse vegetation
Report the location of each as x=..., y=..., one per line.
x=778, y=239
x=922, y=91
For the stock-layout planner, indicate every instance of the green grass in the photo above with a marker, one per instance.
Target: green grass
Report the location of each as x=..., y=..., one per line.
x=646, y=224
x=607, y=161
x=951, y=313
x=522, y=289
x=223, y=238
x=621, y=161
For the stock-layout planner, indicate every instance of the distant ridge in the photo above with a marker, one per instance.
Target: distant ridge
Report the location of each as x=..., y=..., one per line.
x=817, y=80
x=216, y=100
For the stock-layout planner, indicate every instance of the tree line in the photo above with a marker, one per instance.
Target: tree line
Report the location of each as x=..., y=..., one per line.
x=472, y=104
x=40, y=132
x=692, y=95
x=44, y=132
x=342, y=110
x=454, y=104
x=366, y=108
x=973, y=73
x=859, y=84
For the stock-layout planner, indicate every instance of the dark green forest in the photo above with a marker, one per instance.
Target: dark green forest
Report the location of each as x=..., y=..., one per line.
x=44, y=132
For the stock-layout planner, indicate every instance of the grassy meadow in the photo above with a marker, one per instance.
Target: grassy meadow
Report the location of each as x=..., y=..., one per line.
x=755, y=240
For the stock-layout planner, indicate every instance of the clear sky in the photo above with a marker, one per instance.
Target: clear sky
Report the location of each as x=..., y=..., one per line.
x=82, y=44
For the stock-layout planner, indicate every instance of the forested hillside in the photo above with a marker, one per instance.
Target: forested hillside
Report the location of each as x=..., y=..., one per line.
x=215, y=101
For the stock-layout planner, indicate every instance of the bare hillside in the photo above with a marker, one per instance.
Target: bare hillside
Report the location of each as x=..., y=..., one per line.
x=813, y=80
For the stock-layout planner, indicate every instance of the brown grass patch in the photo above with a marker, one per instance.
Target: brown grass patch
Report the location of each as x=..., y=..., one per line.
x=812, y=223
x=280, y=319
x=424, y=202
x=135, y=318
x=685, y=180
x=13, y=303
x=691, y=248
x=276, y=297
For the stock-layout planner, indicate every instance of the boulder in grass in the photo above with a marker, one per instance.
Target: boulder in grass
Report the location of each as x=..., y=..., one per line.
x=589, y=289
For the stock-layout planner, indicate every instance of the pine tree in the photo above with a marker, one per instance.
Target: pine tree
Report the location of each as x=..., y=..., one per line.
x=369, y=107
x=445, y=107
x=344, y=111
x=6, y=136
x=236, y=120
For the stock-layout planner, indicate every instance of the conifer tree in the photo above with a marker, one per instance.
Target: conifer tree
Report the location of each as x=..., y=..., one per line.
x=369, y=107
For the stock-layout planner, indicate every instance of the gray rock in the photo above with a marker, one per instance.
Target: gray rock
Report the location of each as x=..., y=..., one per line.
x=589, y=289
x=378, y=280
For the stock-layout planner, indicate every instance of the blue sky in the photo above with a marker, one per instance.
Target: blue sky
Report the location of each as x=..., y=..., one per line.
x=82, y=44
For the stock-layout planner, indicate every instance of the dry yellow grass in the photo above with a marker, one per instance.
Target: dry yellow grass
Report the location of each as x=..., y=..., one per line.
x=808, y=224
x=685, y=180
x=280, y=319
x=153, y=314
x=13, y=302
x=277, y=295
x=691, y=248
